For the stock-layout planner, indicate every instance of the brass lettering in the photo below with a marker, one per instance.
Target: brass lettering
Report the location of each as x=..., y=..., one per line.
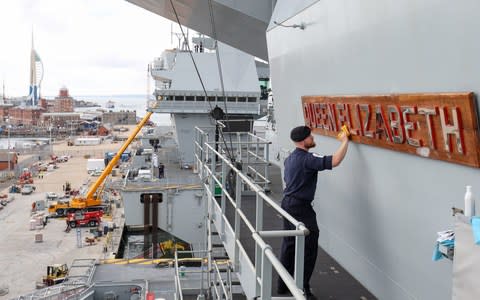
x=323, y=115
x=381, y=126
x=358, y=122
x=316, y=115
x=435, y=125
x=348, y=116
x=307, y=112
x=366, y=123
x=331, y=117
x=342, y=115
x=451, y=129
x=410, y=126
x=429, y=112
x=398, y=132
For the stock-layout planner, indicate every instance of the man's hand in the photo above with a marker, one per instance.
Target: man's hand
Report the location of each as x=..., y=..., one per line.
x=343, y=136
x=344, y=132
x=342, y=150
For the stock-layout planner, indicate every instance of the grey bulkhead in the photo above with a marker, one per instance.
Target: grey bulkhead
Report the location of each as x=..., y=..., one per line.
x=380, y=210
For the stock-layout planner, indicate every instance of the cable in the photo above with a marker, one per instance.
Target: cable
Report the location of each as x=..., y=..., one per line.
x=230, y=156
x=191, y=55
x=214, y=33
x=301, y=25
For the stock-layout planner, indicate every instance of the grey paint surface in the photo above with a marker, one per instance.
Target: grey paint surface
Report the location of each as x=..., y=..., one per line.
x=187, y=214
x=184, y=125
x=288, y=9
x=380, y=210
x=241, y=24
x=238, y=71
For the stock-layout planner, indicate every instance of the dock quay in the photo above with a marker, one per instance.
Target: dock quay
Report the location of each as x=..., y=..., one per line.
x=28, y=249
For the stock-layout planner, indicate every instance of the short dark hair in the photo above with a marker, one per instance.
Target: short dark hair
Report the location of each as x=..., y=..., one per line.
x=300, y=133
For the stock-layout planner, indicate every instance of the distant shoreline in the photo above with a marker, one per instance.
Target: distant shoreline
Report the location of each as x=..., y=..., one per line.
x=83, y=103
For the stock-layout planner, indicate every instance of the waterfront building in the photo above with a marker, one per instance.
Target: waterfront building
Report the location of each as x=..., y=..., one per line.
x=5, y=157
x=25, y=115
x=120, y=117
x=60, y=119
x=4, y=108
x=103, y=130
x=63, y=102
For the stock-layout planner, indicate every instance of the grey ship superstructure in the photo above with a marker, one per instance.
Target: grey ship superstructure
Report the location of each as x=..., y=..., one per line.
x=228, y=85
x=378, y=212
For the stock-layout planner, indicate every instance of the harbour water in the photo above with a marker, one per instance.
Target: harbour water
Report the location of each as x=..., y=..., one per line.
x=137, y=103
x=124, y=102
x=22, y=143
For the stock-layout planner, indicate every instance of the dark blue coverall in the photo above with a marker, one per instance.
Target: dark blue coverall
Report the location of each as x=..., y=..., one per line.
x=301, y=173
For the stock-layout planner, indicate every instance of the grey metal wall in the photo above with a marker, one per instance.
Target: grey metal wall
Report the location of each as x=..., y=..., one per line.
x=184, y=132
x=181, y=213
x=380, y=210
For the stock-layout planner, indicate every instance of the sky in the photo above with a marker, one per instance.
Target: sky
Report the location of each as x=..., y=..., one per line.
x=92, y=47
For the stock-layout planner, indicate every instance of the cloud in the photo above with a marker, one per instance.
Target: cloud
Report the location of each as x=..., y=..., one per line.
x=93, y=47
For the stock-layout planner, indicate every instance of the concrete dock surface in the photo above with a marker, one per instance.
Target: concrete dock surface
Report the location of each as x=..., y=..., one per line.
x=24, y=260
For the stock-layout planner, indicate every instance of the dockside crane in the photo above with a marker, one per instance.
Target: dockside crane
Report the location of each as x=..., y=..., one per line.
x=90, y=198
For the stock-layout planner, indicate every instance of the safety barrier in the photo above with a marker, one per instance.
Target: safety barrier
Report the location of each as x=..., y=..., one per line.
x=255, y=277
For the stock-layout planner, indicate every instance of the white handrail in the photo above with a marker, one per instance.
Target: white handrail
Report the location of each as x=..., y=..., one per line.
x=206, y=157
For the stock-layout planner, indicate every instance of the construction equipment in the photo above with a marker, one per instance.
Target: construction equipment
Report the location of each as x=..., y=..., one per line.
x=25, y=177
x=89, y=197
x=60, y=208
x=92, y=198
x=56, y=274
x=87, y=218
x=63, y=208
x=169, y=247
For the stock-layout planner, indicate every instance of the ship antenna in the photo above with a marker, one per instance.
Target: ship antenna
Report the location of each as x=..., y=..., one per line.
x=148, y=85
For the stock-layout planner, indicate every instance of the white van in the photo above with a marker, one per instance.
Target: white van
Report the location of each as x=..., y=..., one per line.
x=145, y=175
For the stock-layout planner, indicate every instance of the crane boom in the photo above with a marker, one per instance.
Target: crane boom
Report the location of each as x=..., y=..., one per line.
x=117, y=156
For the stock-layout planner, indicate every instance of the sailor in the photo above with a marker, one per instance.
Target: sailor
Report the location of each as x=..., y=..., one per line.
x=300, y=175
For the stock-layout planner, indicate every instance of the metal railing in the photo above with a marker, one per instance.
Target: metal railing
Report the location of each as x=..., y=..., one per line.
x=71, y=288
x=205, y=107
x=180, y=272
x=250, y=150
x=222, y=287
x=255, y=277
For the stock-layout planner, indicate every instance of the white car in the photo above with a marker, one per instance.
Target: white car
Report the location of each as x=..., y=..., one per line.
x=27, y=189
x=97, y=173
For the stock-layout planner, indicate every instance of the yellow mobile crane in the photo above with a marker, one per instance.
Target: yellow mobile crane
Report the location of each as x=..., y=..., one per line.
x=90, y=198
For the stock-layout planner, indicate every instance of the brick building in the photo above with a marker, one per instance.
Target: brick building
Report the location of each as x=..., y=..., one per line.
x=63, y=102
x=120, y=118
x=4, y=156
x=103, y=130
x=4, y=108
x=42, y=102
x=63, y=119
x=29, y=115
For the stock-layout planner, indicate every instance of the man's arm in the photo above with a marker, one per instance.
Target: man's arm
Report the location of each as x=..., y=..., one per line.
x=341, y=151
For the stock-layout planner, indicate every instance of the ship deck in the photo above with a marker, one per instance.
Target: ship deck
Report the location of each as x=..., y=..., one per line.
x=329, y=280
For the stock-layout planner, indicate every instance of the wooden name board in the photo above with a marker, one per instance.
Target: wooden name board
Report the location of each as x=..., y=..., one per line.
x=439, y=126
